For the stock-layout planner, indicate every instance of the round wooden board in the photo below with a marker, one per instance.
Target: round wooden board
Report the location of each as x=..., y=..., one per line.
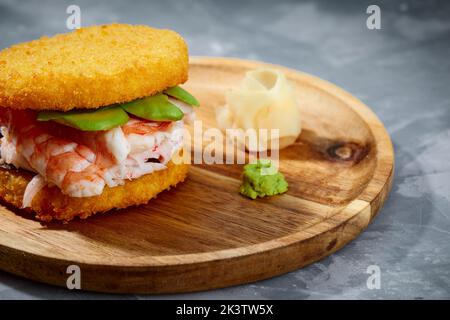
x=203, y=234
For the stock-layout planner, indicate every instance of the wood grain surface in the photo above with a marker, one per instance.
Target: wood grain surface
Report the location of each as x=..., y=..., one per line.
x=203, y=234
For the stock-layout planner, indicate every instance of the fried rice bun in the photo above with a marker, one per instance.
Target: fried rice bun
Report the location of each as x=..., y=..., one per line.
x=51, y=204
x=91, y=67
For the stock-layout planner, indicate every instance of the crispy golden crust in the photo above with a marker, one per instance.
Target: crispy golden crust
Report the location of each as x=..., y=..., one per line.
x=91, y=67
x=51, y=204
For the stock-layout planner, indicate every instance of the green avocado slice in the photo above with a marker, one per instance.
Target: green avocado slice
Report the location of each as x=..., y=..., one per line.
x=183, y=95
x=157, y=108
x=88, y=120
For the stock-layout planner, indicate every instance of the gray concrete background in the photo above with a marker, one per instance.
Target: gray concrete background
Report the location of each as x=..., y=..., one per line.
x=402, y=71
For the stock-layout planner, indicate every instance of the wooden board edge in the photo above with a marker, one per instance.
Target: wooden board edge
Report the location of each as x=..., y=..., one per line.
x=180, y=278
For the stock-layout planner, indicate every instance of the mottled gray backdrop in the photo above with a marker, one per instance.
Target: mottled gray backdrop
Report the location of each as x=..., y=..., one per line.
x=401, y=71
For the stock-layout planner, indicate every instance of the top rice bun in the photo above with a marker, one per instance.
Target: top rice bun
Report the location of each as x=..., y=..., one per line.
x=91, y=67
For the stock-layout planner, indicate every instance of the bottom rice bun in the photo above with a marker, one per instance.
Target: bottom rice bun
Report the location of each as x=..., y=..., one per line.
x=49, y=203
x=92, y=120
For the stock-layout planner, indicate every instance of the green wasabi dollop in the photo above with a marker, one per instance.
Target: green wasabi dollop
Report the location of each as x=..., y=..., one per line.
x=261, y=179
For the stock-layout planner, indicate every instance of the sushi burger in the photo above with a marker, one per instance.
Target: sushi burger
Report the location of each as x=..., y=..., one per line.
x=91, y=120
